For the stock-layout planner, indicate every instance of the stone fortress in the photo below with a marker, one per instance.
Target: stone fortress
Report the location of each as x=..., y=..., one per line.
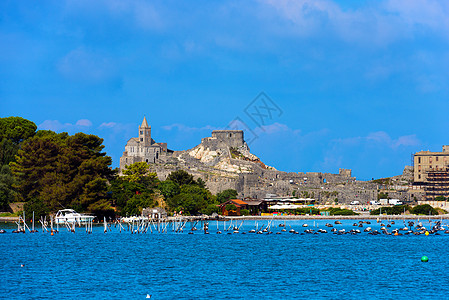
x=224, y=161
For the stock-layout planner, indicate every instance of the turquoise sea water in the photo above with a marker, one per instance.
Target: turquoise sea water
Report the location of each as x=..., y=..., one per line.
x=227, y=266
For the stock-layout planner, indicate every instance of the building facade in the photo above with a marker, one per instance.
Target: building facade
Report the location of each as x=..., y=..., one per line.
x=142, y=148
x=437, y=185
x=427, y=161
x=431, y=171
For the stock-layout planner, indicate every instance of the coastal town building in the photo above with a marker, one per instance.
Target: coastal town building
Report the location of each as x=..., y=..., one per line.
x=142, y=148
x=431, y=172
x=427, y=161
x=437, y=185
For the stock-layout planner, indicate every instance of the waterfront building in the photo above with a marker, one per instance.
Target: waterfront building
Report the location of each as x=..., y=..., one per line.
x=431, y=171
x=425, y=161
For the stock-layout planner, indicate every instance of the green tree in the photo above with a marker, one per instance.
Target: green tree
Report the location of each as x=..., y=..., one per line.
x=16, y=129
x=62, y=170
x=169, y=189
x=181, y=177
x=136, y=172
x=8, y=151
x=13, y=130
x=200, y=182
x=135, y=190
x=424, y=209
x=226, y=195
x=244, y=212
x=382, y=196
x=391, y=210
x=37, y=206
x=191, y=199
x=230, y=207
x=210, y=209
x=6, y=181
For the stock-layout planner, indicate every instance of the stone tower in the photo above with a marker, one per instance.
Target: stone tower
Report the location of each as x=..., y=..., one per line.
x=142, y=148
x=145, y=133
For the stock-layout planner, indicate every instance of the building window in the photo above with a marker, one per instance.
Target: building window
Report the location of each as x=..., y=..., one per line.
x=141, y=132
x=141, y=139
x=419, y=160
x=419, y=176
x=436, y=158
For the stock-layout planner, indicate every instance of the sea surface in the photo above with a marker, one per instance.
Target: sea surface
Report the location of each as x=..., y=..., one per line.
x=170, y=265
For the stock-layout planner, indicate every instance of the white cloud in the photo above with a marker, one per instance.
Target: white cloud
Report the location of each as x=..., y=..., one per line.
x=84, y=122
x=108, y=125
x=381, y=22
x=57, y=126
x=273, y=128
x=380, y=138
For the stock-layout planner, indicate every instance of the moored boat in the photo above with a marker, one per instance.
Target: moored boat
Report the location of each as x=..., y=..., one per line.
x=70, y=216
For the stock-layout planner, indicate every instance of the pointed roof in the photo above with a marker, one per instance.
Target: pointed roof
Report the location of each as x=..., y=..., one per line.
x=144, y=123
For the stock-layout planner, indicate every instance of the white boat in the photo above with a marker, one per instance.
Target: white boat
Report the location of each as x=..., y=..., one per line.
x=133, y=219
x=70, y=216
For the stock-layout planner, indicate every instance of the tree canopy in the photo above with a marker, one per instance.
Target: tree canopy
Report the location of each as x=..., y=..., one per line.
x=226, y=195
x=16, y=129
x=135, y=190
x=62, y=171
x=13, y=131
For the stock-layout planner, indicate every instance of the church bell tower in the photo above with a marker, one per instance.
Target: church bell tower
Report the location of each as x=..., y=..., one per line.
x=145, y=133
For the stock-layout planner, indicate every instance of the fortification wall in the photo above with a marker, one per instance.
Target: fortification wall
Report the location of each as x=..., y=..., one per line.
x=232, y=138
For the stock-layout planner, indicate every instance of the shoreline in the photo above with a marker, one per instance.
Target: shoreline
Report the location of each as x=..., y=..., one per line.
x=318, y=217
x=297, y=217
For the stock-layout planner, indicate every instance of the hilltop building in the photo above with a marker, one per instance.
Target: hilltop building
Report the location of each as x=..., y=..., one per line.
x=431, y=170
x=142, y=148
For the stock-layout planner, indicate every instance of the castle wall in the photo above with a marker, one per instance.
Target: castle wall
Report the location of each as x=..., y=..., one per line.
x=232, y=138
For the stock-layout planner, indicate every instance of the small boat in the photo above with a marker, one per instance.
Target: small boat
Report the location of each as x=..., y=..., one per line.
x=70, y=216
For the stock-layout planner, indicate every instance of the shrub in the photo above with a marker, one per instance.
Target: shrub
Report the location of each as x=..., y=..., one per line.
x=230, y=207
x=210, y=209
x=307, y=210
x=424, y=209
x=244, y=212
x=341, y=212
x=393, y=210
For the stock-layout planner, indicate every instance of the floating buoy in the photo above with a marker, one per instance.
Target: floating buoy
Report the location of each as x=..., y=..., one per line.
x=424, y=259
x=427, y=233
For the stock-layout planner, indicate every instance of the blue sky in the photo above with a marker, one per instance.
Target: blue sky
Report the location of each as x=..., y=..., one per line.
x=356, y=84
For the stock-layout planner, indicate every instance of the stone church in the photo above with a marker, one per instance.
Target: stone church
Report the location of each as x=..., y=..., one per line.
x=142, y=148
